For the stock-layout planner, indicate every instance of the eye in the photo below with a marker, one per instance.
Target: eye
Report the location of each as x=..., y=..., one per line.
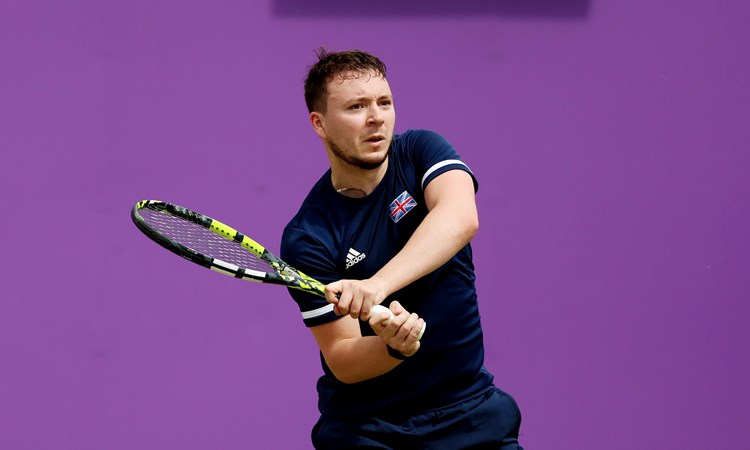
x=356, y=106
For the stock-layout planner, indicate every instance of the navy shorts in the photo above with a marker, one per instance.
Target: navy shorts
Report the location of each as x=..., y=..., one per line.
x=489, y=421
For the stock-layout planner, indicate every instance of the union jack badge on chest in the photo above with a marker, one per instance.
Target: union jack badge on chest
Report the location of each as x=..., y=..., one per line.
x=401, y=205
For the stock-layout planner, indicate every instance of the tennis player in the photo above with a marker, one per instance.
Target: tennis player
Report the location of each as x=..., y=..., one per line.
x=390, y=224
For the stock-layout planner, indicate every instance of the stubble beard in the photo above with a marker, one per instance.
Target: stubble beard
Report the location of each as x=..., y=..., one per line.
x=354, y=160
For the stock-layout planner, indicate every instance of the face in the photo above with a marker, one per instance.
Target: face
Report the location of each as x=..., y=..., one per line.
x=357, y=126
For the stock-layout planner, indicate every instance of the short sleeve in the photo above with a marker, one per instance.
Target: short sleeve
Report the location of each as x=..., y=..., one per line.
x=433, y=155
x=305, y=253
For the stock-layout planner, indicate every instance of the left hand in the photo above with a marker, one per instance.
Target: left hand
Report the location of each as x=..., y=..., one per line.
x=402, y=332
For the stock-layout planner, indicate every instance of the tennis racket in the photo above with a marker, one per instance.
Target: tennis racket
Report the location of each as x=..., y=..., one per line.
x=219, y=247
x=216, y=246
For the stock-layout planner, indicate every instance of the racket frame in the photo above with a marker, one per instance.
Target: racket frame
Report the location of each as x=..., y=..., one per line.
x=283, y=273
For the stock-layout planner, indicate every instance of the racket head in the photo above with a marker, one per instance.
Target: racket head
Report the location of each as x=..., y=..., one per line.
x=216, y=246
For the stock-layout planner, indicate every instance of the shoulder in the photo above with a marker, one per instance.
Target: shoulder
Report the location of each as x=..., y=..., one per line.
x=422, y=147
x=419, y=140
x=304, y=228
x=430, y=153
x=313, y=202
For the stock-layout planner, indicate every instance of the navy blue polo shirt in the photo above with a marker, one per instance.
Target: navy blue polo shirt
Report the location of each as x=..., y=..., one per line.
x=336, y=237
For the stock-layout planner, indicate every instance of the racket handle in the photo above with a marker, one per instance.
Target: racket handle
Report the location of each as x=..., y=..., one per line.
x=377, y=309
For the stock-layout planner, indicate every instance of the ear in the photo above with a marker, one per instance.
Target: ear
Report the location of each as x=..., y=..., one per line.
x=318, y=124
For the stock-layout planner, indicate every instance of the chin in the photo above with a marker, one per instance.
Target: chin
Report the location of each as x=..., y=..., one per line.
x=372, y=161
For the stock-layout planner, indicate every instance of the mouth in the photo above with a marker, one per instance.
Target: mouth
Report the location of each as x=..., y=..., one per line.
x=375, y=139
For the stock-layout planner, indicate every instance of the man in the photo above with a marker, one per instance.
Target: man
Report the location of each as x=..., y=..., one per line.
x=390, y=223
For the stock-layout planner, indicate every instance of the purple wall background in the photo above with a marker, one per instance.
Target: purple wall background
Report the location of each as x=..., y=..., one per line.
x=611, y=144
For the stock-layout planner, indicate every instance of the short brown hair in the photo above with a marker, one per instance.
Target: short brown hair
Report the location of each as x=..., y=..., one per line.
x=331, y=64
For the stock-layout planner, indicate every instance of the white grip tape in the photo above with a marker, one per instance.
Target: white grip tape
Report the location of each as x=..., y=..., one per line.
x=377, y=309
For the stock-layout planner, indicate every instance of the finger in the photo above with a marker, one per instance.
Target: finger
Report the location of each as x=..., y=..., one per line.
x=361, y=304
x=399, y=313
x=380, y=314
x=418, y=331
x=421, y=327
x=413, y=328
x=385, y=313
x=408, y=329
x=404, y=341
x=333, y=291
x=396, y=307
x=367, y=311
x=344, y=303
x=378, y=322
x=355, y=307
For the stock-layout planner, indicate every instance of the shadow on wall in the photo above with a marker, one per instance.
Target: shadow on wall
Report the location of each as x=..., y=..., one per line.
x=570, y=9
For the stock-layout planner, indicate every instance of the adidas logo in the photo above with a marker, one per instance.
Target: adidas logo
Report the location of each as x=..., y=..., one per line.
x=353, y=257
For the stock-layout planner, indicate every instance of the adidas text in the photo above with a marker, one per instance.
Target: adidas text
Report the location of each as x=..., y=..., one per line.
x=353, y=257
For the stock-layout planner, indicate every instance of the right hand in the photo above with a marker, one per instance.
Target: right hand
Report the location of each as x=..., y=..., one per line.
x=355, y=297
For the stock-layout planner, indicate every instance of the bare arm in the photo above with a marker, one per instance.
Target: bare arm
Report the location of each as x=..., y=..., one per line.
x=353, y=358
x=449, y=225
x=452, y=221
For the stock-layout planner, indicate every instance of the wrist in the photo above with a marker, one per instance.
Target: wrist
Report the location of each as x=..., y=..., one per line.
x=393, y=353
x=382, y=286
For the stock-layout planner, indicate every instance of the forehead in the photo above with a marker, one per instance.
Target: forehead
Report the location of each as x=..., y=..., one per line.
x=350, y=85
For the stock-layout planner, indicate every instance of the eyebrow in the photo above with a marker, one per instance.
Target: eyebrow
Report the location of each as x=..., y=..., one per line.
x=366, y=97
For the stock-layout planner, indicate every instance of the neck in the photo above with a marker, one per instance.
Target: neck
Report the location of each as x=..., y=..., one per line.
x=354, y=181
x=352, y=192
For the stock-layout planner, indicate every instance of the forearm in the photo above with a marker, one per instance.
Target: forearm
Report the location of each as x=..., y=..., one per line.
x=446, y=229
x=359, y=358
x=353, y=358
x=451, y=222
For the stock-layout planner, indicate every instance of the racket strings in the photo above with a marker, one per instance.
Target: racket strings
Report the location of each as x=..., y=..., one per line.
x=202, y=240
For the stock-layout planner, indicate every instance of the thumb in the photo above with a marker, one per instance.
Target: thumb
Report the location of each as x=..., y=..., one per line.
x=396, y=307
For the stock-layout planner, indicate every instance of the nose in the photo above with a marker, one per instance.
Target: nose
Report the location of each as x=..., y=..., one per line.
x=375, y=115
